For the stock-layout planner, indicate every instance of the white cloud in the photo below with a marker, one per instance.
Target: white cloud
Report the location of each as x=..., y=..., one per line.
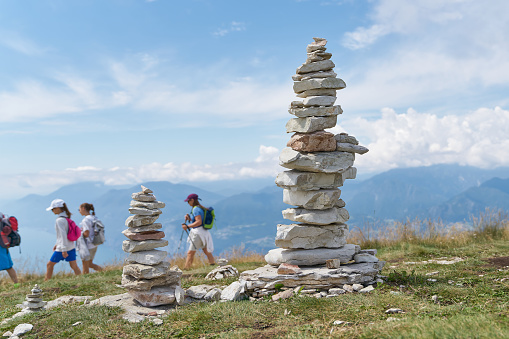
x=447, y=54
x=410, y=139
x=20, y=44
x=265, y=165
x=234, y=26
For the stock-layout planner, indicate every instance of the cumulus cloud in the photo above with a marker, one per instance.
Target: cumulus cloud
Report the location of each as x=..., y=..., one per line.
x=265, y=165
x=234, y=26
x=411, y=139
x=446, y=54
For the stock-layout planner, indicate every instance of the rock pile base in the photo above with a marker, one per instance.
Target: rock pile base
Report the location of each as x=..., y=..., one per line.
x=263, y=281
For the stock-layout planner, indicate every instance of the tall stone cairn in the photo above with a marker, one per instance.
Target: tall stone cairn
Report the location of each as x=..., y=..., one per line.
x=319, y=162
x=312, y=255
x=147, y=275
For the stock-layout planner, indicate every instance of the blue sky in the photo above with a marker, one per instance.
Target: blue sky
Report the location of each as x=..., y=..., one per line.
x=130, y=91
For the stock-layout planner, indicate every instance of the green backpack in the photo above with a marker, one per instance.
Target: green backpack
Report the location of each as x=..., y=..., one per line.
x=209, y=218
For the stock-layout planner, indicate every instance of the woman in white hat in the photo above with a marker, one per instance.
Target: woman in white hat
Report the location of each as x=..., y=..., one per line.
x=64, y=249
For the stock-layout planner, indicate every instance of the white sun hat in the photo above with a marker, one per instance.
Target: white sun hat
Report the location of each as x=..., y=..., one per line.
x=56, y=203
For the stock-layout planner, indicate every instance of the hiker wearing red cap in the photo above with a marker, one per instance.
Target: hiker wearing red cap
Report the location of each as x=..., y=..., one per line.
x=199, y=237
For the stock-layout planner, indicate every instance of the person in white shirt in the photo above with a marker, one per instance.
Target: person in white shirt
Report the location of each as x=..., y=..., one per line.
x=64, y=249
x=87, y=232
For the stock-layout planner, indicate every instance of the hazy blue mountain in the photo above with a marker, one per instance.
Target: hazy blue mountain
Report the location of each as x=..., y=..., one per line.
x=492, y=194
x=407, y=193
x=249, y=219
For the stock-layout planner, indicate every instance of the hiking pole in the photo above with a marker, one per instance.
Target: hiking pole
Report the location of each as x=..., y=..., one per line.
x=189, y=236
x=180, y=242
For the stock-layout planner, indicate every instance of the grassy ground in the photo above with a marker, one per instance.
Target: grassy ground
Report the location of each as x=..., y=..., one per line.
x=469, y=299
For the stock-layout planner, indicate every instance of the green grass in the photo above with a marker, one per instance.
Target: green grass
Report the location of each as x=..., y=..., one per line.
x=472, y=300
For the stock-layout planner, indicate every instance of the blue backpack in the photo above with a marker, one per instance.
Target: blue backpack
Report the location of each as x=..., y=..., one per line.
x=209, y=217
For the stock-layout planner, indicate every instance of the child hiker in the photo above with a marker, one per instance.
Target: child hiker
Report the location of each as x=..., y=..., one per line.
x=64, y=249
x=87, y=232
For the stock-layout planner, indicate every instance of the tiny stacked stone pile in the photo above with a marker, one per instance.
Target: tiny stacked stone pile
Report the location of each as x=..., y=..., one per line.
x=34, y=302
x=319, y=162
x=222, y=271
x=147, y=275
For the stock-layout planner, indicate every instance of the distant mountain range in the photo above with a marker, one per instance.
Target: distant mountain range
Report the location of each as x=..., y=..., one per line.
x=248, y=211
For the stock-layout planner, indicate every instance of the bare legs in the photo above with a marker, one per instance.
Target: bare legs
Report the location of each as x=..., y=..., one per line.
x=50, y=265
x=88, y=264
x=12, y=274
x=209, y=256
x=190, y=258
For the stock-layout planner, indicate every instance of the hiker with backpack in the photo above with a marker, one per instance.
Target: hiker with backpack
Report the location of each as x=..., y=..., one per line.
x=199, y=237
x=67, y=234
x=6, y=263
x=88, y=233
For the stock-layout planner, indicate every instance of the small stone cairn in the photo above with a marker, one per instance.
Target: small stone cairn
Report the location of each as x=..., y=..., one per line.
x=319, y=162
x=222, y=271
x=34, y=302
x=147, y=275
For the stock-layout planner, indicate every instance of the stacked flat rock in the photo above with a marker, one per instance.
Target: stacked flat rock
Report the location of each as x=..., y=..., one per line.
x=147, y=274
x=33, y=301
x=318, y=162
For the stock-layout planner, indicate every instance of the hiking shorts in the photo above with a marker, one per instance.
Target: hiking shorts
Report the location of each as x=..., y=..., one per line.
x=57, y=256
x=91, y=256
x=195, y=242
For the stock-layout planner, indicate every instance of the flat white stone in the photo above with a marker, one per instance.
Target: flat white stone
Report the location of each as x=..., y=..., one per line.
x=321, y=74
x=140, y=196
x=155, y=297
x=345, y=138
x=323, y=100
x=233, y=291
x=132, y=283
x=365, y=257
x=302, y=112
x=317, y=66
x=145, y=245
x=22, y=329
x=148, y=205
x=140, y=271
x=140, y=220
x=199, y=291
x=317, y=92
x=310, y=124
x=317, y=200
x=146, y=190
x=304, y=257
x=152, y=257
x=305, y=85
x=344, y=147
x=146, y=228
x=317, y=217
x=180, y=295
x=309, y=236
x=367, y=289
x=308, y=181
x=144, y=211
x=327, y=162
x=213, y=295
